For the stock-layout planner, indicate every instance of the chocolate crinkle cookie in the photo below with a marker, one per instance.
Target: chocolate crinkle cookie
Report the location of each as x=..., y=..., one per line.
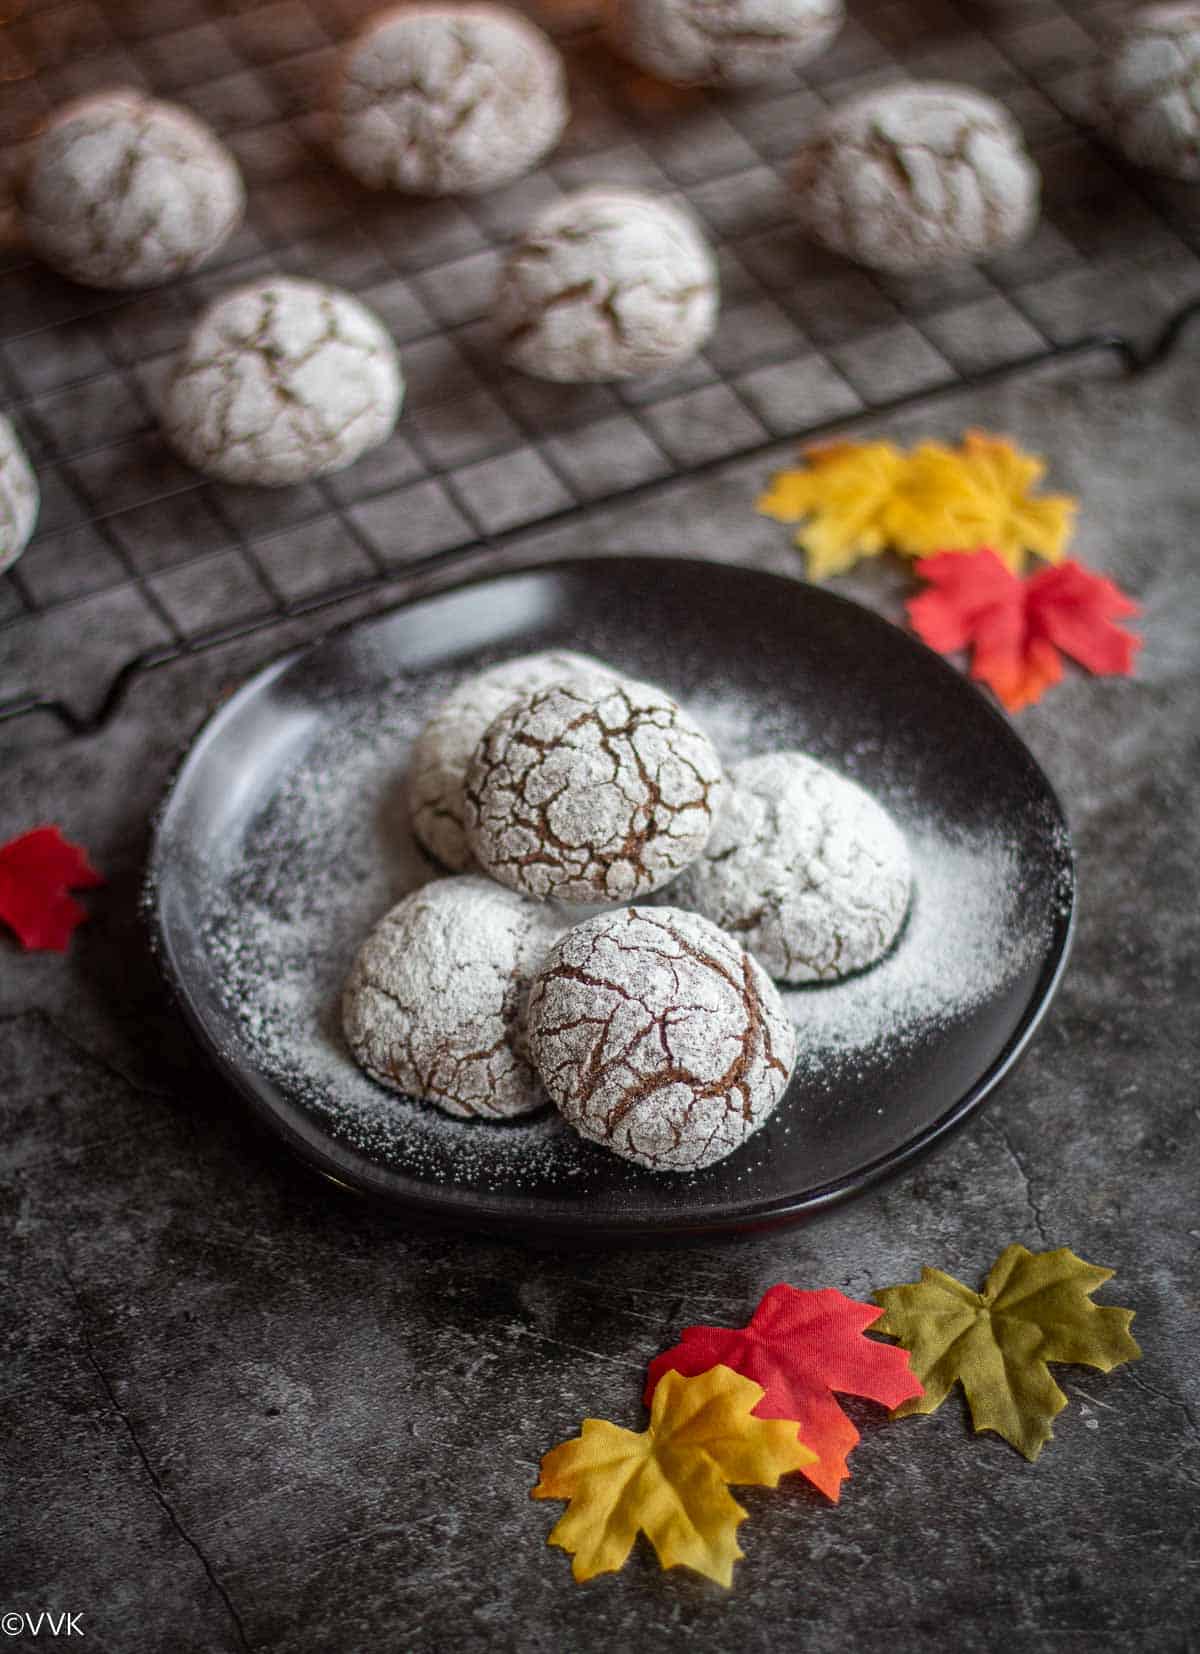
x=435, y=1001
x=279, y=381
x=803, y=867
x=122, y=191
x=447, y=100
x=659, y=1037
x=606, y=284
x=442, y=752
x=591, y=790
x=19, y=497
x=916, y=177
x=1150, y=90
x=723, y=42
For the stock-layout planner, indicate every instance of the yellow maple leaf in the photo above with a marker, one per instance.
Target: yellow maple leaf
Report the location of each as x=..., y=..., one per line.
x=978, y=495
x=840, y=497
x=1034, y=1308
x=670, y=1481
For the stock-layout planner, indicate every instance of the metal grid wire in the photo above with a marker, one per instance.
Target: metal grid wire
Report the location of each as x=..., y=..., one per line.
x=138, y=559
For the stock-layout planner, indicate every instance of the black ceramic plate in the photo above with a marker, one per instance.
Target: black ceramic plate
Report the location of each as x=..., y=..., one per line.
x=284, y=838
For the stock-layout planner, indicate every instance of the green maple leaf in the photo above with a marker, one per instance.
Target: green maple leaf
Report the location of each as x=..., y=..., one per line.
x=1034, y=1308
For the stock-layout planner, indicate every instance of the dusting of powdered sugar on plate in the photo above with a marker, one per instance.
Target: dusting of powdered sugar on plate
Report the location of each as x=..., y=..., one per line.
x=333, y=850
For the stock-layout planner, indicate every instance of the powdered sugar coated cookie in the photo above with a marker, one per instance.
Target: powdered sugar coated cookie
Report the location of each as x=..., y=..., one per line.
x=658, y=1036
x=443, y=751
x=723, y=42
x=806, y=869
x=918, y=176
x=435, y=1000
x=19, y=497
x=1150, y=90
x=124, y=191
x=591, y=790
x=279, y=381
x=606, y=284
x=447, y=100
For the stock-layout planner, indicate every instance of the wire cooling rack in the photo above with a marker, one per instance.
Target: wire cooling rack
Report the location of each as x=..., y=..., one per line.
x=138, y=561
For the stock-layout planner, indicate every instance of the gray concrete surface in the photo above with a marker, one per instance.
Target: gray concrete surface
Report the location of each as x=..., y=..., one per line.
x=244, y=1413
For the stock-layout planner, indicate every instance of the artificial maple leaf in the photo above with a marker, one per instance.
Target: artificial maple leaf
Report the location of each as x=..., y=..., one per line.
x=37, y=873
x=1034, y=1308
x=670, y=1481
x=976, y=495
x=840, y=497
x=801, y=1346
x=1016, y=628
x=1074, y=609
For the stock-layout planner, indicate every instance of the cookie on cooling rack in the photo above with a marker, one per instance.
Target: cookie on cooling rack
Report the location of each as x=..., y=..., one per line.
x=1149, y=90
x=447, y=100
x=606, y=284
x=280, y=381
x=123, y=191
x=917, y=177
x=19, y=497
x=723, y=42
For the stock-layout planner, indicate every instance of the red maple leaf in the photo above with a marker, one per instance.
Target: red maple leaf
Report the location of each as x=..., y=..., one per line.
x=1018, y=630
x=801, y=1346
x=37, y=873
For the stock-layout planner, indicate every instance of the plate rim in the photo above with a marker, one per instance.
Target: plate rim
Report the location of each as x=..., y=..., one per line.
x=484, y=1213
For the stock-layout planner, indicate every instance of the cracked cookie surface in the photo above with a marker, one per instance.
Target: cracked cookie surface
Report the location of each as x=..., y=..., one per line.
x=122, y=191
x=659, y=1037
x=806, y=869
x=591, y=790
x=279, y=381
x=19, y=497
x=1149, y=89
x=916, y=177
x=441, y=100
x=442, y=753
x=434, y=1003
x=723, y=42
x=606, y=284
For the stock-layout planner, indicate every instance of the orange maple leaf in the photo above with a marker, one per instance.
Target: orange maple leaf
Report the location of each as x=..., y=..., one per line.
x=802, y=1346
x=1018, y=630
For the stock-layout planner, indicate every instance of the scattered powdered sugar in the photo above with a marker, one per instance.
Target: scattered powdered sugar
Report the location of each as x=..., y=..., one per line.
x=331, y=854
x=333, y=850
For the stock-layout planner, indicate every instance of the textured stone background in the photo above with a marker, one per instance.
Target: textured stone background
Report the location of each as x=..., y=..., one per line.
x=243, y=1413
x=239, y=1411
